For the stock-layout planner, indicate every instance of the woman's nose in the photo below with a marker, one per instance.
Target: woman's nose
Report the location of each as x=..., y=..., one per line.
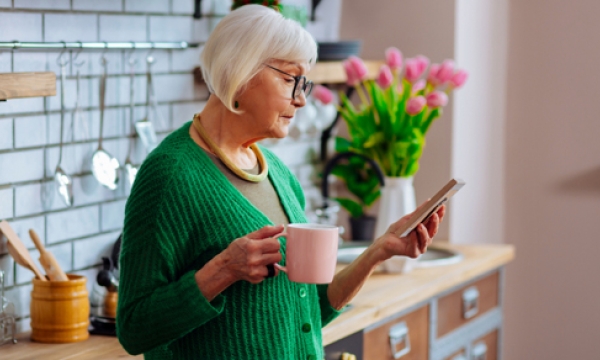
x=300, y=100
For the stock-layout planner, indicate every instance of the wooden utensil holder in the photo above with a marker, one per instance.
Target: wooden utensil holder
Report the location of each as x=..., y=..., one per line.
x=60, y=310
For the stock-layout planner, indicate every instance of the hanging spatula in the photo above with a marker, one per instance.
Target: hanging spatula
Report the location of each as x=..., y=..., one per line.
x=144, y=127
x=48, y=261
x=18, y=251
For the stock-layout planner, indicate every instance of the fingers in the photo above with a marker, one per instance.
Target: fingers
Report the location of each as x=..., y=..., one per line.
x=433, y=225
x=424, y=238
x=441, y=212
x=266, y=232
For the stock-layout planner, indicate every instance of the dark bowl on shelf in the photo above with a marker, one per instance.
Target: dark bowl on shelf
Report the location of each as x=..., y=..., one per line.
x=339, y=50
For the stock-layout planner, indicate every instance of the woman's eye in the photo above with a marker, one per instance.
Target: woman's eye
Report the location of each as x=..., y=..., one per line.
x=289, y=81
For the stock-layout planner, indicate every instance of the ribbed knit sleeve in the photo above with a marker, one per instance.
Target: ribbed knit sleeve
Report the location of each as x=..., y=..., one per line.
x=158, y=302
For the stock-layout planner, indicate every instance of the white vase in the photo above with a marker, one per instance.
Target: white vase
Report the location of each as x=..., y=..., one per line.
x=397, y=199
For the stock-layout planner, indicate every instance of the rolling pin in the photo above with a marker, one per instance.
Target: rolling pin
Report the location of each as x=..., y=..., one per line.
x=47, y=260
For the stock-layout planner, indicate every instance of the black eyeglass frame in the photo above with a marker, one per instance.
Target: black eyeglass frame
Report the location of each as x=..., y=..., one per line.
x=307, y=83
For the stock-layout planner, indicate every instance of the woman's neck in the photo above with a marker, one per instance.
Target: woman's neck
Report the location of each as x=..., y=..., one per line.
x=229, y=131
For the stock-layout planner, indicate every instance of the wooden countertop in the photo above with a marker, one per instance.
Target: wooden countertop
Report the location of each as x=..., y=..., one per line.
x=382, y=295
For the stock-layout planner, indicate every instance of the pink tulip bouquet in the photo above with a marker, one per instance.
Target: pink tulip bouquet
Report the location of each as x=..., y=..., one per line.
x=396, y=109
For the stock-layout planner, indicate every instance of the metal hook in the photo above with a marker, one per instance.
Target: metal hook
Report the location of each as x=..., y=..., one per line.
x=59, y=60
x=73, y=60
x=103, y=60
x=129, y=54
x=149, y=57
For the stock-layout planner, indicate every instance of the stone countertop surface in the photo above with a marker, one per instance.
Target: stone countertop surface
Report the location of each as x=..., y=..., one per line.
x=383, y=295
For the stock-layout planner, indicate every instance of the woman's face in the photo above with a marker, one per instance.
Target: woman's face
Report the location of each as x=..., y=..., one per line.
x=267, y=99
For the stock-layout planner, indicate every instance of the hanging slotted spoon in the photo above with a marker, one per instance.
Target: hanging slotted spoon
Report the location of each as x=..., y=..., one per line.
x=64, y=183
x=130, y=168
x=104, y=166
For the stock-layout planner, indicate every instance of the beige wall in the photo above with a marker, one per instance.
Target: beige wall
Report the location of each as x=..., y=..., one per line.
x=553, y=180
x=415, y=27
x=543, y=139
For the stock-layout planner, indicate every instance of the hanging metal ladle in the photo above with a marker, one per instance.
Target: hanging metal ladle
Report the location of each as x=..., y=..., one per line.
x=64, y=182
x=105, y=167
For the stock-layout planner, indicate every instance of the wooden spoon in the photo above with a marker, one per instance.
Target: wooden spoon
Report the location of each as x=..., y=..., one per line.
x=18, y=251
x=48, y=261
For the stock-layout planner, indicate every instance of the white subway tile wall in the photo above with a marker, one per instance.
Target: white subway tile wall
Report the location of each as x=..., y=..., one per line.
x=95, y=5
x=20, y=26
x=81, y=235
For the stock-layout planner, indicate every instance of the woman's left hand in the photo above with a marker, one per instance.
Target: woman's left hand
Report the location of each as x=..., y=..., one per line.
x=416, y=242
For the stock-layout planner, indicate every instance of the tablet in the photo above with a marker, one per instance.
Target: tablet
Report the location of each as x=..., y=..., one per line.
x=433, y=205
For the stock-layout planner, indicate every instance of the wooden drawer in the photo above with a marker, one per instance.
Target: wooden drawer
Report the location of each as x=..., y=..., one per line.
x=486, y=347
x=459, y=355
x=467, y=303
x=377, y=341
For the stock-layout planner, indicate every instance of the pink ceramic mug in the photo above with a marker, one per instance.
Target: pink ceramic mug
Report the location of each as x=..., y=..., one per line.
x=311, y=253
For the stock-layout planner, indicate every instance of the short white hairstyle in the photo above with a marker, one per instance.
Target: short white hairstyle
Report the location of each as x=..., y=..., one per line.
x=243, y=41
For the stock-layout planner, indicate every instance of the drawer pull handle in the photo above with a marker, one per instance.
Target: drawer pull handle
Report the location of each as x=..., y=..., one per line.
x=399, y=340
x=479, y=351
x=470, y=299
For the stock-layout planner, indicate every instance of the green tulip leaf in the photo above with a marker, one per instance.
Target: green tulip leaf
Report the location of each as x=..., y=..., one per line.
x=375, y=139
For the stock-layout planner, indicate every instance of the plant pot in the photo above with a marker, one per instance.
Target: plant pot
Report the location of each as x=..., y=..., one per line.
x=362, y=228
x=397, y=200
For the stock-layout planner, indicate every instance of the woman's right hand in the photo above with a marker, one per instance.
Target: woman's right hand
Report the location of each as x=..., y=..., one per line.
x=246, y=258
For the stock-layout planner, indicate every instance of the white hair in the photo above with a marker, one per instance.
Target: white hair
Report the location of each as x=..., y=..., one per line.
x=243, y=41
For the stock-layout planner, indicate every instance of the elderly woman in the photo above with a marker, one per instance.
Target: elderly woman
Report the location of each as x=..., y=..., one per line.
x=196, y=270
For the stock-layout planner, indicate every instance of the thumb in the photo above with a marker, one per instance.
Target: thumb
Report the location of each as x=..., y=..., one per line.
x=266, y=232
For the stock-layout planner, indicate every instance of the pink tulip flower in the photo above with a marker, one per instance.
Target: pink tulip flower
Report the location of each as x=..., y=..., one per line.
x=412, y=70
x=350, y=74
x=323, y=94
x=423, y=62
x=446, y=72
x=415, y=105
x=393, y=58
x=360, y=69
x=459, y=79
x=432, y=77
x=418, y=86
x=385, y=77
x=437, y=99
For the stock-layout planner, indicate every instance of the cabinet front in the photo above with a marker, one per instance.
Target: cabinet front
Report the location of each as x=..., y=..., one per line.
x=486, y=347
x=467, y=303
x=459, y=355
x=404, y=338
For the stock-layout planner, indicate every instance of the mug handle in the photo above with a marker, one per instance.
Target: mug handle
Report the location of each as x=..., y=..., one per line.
x=280, y=267
x=276, y=265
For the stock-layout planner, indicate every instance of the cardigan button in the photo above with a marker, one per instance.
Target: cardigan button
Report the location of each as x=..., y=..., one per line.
x=302, y=292
x=306, y=327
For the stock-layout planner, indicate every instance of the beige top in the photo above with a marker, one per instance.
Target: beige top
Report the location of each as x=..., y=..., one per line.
x=261, y=194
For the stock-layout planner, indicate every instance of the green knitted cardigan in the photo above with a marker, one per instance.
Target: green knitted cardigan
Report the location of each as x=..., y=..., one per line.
x=183, y=211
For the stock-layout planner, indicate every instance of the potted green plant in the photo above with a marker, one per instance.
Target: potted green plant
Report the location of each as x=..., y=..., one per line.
x=391, y=121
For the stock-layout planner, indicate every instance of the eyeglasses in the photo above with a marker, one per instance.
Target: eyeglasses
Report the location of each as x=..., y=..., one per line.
x=300, y=84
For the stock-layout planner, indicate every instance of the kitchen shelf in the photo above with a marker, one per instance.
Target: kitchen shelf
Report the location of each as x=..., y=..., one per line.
x=28, y=84
x=332, y=72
